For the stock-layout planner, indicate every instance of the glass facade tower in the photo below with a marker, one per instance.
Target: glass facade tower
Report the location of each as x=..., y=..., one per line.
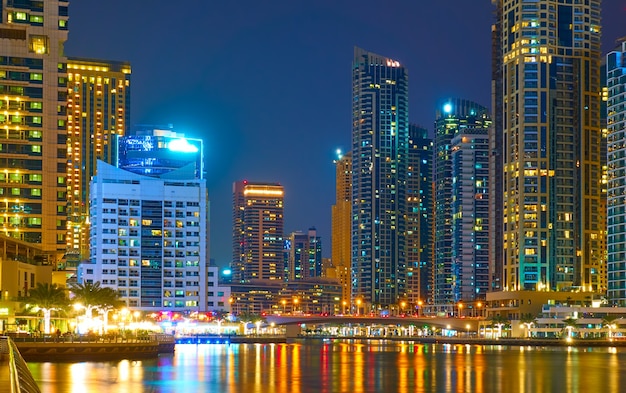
x=554, y=222
x=379, y=170
x=616, y=200
x=461, y=177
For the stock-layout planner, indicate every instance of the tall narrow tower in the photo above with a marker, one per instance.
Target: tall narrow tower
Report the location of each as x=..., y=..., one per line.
x=553, y=221
x=257, y=231
x=461, y=270
x=341, y=225
x=33, y=74
x=98, y=110
x=379, y=170
x=419, y=217
x=616, y=82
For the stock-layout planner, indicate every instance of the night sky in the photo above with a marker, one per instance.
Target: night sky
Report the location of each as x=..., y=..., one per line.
x=268, y=88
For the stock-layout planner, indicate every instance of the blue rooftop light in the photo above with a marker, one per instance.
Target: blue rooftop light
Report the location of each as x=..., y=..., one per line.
x=182, y=146
x=447, y=108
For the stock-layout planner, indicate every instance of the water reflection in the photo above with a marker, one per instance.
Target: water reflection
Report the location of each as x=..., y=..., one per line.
x=346, y=366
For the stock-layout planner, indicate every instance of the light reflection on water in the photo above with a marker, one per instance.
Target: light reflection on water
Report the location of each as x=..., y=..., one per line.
x=346, y=366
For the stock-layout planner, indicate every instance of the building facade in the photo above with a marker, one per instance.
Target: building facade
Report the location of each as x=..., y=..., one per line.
x=616, y=199
x=149, y=239
x=461, y=173
x=379, y=170
x=98, y=110
x=257, y=231
x=304, y=256
x=419, y=217
x=33, y=115
x=341, y=249
x=554, y=223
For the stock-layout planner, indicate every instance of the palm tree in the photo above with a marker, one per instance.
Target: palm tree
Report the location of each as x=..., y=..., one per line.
x=570, y=324
x=499, y=321
x=47, y=298
x=529, y=321
x=93, y=296
x=608, y=321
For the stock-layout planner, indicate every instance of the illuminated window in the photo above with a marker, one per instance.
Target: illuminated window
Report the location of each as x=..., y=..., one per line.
x=36, y=105
x=38, y=44
x=15, y=191
x=146, y=222
x=36, y=149
x=63, y=24
x=36, y=19
x=36, y=76
x=20, y=16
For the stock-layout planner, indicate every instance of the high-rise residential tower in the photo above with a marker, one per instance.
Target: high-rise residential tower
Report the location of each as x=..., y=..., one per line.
x=554, y=223
x=419, y=217
x=149, y=239
x=380, y=129
x=257, y=231
x=461, y=172
x=341, y=225
x=616, y=200
x=98, y=110
x=33, y=109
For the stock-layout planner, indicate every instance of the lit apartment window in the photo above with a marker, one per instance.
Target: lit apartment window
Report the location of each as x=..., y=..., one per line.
x=38, y=44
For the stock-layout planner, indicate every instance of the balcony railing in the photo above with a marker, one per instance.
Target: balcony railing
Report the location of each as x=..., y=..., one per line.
x=15, y=372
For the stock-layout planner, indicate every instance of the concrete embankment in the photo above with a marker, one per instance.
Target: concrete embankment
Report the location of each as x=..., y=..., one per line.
x=60, y=351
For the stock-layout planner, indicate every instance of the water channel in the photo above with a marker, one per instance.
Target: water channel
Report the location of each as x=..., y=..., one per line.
x=347, y=366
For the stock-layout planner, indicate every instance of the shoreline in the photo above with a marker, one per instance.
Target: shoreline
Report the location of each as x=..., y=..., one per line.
x=518, y=342
x=107, y=351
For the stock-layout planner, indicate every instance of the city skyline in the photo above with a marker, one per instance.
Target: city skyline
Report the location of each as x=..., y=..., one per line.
x=255, y=78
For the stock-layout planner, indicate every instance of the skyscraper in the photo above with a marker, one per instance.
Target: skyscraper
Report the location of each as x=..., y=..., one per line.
x=616, y=200
x=419, y=217
x=33, y=168
x=549, y=97
x=257, y=231
x=461, y=172
x=304, y=259
x=98, y=110
x=379, y=170
x=341, y=226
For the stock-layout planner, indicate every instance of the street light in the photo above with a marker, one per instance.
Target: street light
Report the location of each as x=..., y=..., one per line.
x=295, y=305
x=460, y=309
x=284, y=303
x=344, y=307
x=358, y=306
x=419, y=308
x=402, y=305
x=478, y=306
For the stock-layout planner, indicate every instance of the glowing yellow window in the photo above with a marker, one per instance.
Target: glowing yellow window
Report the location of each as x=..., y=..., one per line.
x=38, y=44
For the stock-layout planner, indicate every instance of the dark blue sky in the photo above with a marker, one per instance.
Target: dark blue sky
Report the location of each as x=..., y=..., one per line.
x=268, y=88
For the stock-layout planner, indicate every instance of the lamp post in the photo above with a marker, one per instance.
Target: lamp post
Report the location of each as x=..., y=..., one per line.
x=402, y=305
x=284, y=303
x=478, y=311
x=460, y=308
x=419, y=308
x=358, y=307
x=295, y=305
x=344, y=311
